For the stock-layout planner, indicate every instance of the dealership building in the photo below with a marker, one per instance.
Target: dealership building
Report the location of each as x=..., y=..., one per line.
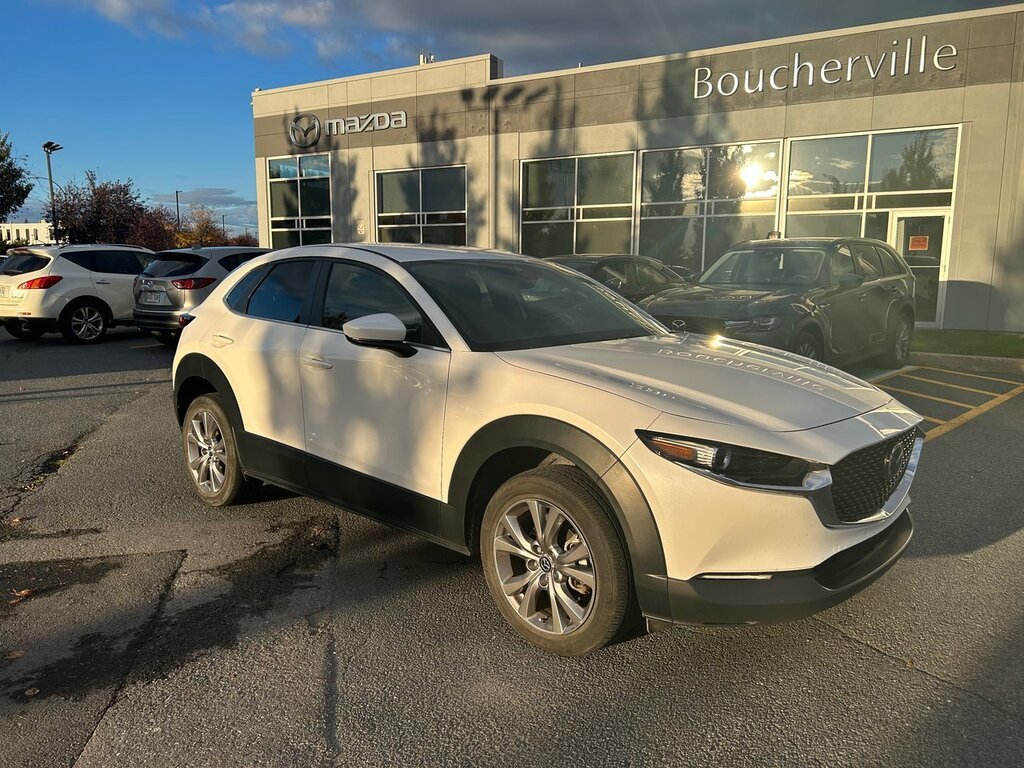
x=910, y=132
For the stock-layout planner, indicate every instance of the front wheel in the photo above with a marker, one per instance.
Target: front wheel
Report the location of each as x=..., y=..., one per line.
x=84, y=323
x=807, y=345
x=23, y=332
x=211, y=455
x=897, y=353
x=555, y=563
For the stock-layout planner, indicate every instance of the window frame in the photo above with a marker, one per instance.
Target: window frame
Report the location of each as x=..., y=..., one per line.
x=299, y=219
x=304, y=314
x=420, y=215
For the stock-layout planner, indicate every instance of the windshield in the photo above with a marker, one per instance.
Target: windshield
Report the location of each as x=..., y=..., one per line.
x=502, y=305
x=171, y=264
x=766, y=267
x=22, y=263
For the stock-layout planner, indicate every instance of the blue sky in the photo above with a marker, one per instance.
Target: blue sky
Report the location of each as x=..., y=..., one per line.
x=159, y=90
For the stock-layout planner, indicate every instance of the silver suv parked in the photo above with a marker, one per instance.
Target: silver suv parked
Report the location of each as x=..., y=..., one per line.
x=177, y=281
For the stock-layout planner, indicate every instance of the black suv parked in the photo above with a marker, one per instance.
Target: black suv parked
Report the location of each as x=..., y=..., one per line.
x=838, y=300
x=634, y=277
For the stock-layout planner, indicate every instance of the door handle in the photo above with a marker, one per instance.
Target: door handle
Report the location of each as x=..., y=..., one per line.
x=102, y=282
x=220, y=340
x=315, y=361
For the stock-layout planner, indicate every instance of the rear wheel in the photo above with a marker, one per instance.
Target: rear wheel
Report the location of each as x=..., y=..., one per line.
x=20, y=331
x=166, y=338
x=808, y=345
x=84, y=323
x=554, y=562
x=897, y=353
x=211, y=455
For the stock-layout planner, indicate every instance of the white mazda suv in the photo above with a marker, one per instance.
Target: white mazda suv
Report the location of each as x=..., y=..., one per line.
x=603, y=468
x=79, y=290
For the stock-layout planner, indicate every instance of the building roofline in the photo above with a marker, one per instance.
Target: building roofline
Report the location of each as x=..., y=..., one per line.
x=809, y=36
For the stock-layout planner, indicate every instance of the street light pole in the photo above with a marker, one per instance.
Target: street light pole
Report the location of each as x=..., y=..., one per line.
x=177, y=208
x=223, y=227
x=49, y=148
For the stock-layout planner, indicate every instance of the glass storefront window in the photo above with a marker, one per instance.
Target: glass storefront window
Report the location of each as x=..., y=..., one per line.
x=723, y=232
x=678, y=242
x=828, y=166
x=913, y=160
x=673, y=175
x=743, y=171
x=425, y=205
x=823, y=225
x=300, y=200
x=604, y=180
x=549, y=184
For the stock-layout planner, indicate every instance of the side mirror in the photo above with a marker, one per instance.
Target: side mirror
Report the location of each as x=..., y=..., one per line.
x=382, y=330
x=850, y=280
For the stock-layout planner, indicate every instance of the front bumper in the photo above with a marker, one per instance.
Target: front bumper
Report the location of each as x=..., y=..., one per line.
x=157, y=321
x=788, y=595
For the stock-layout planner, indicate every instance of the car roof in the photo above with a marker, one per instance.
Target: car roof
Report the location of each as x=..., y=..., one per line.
x=808, y=241
x=410, y=253
x=216, y=251
x=56, y=250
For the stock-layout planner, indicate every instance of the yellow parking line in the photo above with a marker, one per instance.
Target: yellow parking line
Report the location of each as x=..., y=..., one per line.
x=965, y=417
x=972, y=375
x=928, y=397
x=954, y=386
x=933, y=419
x=888, y=376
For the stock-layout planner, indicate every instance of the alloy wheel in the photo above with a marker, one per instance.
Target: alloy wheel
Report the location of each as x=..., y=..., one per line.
x=544, y=566
x=806, y=349
x=207, y=454
x=902, y=341
x=86, y=323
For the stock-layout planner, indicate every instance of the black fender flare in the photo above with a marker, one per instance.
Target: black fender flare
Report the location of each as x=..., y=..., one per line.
x=633, y=515
x=195, y=366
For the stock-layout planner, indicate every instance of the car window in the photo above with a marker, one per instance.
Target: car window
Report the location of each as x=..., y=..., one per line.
x=354, y=291
x=238, y=296
x=280, y=296
x=786, y=266
x=83, y=259
x=117, y=263
x=842, y=263
x=174, y=264
x=23, y=263
x=612, y=275
x=235, y=260
x=890, y=263
x=868, y=260
x=647, y=276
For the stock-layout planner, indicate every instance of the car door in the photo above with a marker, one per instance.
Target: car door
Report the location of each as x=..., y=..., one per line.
x=113, y=276
x=374, y=418
x=256, y=346
x=843, y=303
x=879, y=293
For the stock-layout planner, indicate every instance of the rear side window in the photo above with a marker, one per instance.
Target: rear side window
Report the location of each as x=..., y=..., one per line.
x=842, y=262
x=238, y=296
x=868, y=260
x=23, y=263
x=170, y=264
x=118, y=262
x=83, y=259
x=281, y=295
x=235, y=260
x=890, y=263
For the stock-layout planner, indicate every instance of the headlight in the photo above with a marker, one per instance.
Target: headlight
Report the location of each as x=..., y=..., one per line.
x=737, y=464
x=762, y=323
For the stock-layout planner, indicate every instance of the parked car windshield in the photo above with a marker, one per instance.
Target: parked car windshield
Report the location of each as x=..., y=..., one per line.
x=173, y=264
x=21, y=263
x=503, y=305
x=765, y=267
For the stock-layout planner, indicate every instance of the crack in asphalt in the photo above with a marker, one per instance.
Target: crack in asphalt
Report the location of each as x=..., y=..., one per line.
x=910, y=665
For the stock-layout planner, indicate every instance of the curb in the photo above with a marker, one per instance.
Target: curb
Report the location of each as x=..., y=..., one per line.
x=977, y=363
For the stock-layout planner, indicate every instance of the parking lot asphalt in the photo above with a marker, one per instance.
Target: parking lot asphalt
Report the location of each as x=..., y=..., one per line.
x=139, y=627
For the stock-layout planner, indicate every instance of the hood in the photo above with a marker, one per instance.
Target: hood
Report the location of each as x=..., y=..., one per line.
x=722, y=302
x=714, y=380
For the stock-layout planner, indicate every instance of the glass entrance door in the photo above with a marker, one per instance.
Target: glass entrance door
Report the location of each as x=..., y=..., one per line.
x=921, y=239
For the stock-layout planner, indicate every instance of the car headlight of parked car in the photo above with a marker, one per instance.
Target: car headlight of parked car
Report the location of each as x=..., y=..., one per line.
x=762, y=323
x=736, y=464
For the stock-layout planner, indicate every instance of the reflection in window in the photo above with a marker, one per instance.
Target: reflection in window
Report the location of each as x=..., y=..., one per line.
x=354, y=291
x=723, y=232
x=676, y=241
x=913, y=160
x=743, y=171
x=426, y=205
x=280, y=296
x=300, y=200
x=828, y=166
x=673, y=175
x=824, y=225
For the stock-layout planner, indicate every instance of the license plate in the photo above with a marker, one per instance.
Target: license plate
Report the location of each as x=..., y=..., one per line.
x=156, y=298
x=4, y=291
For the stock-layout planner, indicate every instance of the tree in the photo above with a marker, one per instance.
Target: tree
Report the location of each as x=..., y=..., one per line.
x=154, y=229
x=98, y=212
x=14, y=183
x=246, y=238
x=200, y=227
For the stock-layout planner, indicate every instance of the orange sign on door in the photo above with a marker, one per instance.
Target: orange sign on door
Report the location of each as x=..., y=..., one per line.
x=918, y=243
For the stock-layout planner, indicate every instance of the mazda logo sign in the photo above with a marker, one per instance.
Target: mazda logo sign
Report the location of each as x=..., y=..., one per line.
x=304, y=131
x=679, y=325
x=894, y=462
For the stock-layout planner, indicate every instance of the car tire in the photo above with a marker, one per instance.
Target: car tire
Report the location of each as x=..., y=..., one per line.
x=897, y=353
x=167, y=338
x=210, y=452
x=84, y=322
x=19, y=331
x=567, y=607
x=807, y=344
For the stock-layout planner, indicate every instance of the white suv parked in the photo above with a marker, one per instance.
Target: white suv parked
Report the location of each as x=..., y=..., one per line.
x=603, y=467
x=79, y=290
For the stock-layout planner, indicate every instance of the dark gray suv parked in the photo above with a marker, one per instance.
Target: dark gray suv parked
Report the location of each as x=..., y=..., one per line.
x=833, y=299
x=177, y=281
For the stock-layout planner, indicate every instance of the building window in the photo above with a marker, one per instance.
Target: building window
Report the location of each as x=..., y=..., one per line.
x=578, y=205
x=300, y=200
x=698, y=202
x=425, y=205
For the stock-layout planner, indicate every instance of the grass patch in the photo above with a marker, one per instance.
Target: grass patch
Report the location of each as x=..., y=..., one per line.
x=983, y=343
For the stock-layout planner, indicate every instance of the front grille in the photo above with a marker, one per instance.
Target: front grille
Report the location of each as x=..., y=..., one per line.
x=706, y=325
x=864, y=480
